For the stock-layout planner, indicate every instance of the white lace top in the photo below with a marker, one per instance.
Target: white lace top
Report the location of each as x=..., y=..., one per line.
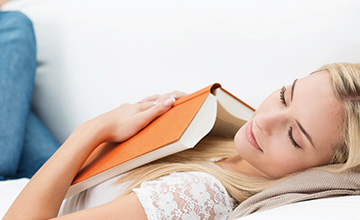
x=183, y=195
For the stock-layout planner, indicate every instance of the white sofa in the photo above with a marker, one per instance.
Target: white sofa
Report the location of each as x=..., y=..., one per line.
x=94, y=55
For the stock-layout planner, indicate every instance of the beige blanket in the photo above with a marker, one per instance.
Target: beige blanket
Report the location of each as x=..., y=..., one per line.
x=309, y=185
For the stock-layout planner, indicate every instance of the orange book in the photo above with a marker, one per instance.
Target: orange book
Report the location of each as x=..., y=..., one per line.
x=209, y=110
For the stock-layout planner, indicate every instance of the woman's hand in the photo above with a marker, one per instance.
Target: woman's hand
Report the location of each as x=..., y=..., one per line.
x=125, y=121
x=42, y=197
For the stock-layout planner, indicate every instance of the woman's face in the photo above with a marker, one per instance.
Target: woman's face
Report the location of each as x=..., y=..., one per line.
x=293, y=129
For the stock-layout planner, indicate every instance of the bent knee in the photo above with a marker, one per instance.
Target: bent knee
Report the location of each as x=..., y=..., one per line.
x=14, y=19
x=17, y=29
x=17, y=23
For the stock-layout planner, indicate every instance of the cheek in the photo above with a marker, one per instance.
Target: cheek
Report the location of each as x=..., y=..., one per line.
x=282, y=164
x=287, y=162
x=280, y=158
x=240, y=140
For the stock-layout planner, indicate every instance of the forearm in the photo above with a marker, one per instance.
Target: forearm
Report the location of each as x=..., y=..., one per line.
x=42, y=197
x=49, y=185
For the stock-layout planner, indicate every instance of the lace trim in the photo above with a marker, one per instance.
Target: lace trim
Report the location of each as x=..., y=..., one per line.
x=185, y=195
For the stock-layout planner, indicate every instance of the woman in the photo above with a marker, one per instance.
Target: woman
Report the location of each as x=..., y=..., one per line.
x=311, y=123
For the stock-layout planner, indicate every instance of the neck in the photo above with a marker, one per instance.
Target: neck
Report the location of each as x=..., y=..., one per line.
x=239, y=165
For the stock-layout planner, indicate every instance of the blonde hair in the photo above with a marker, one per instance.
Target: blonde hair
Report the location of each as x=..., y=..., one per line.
x=239, y=186
x=346, y=82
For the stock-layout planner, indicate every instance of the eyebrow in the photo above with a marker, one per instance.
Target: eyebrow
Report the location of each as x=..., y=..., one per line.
x=292, y=89
x=302, y=129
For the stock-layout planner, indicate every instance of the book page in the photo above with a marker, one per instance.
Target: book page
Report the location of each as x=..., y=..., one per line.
x=231, y=114
x=224, y=129
x=234, y=106
x=226, y=124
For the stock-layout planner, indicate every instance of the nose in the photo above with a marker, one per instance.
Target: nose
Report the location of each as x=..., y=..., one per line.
x=271, y=122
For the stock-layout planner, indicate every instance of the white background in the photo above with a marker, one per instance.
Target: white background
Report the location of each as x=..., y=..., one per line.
x=95, y=55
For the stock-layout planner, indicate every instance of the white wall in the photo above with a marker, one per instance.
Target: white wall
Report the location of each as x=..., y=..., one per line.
x=96, y=54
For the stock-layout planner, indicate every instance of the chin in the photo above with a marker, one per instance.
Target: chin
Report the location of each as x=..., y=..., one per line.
x=278, y=175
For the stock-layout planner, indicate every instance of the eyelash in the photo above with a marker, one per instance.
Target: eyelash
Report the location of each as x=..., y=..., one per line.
x=292, y=138
x=283, y=101
x=282, y=95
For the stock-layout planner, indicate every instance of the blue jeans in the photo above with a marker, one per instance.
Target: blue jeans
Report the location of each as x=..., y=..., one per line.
x=25, y=142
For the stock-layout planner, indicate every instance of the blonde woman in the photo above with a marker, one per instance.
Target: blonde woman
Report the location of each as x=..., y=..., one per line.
x=311, y=123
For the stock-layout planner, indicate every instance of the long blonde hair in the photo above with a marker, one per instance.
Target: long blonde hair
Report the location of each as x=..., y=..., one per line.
x=199, y=158
x=346, y=83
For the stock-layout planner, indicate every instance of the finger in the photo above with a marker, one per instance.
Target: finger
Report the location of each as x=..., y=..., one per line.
x=178, y=94
x=150, y=98
x=163, y=97
x=142, y=106
x=145, y=117
x=175, y=94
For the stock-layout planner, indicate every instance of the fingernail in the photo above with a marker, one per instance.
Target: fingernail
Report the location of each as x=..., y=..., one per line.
x=155, y=103
x=168, y=102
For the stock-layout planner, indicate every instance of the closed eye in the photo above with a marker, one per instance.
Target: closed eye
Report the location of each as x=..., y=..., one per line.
x=282, y=95
x=290, y=134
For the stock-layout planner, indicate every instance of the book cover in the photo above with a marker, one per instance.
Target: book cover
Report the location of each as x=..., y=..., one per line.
x=157, y=140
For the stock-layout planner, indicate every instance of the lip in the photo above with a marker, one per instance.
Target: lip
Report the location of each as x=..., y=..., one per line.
x=251, y=138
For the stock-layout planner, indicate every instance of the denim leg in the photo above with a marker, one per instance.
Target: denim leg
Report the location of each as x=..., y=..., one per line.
x=17, y=70
x=39, y=145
